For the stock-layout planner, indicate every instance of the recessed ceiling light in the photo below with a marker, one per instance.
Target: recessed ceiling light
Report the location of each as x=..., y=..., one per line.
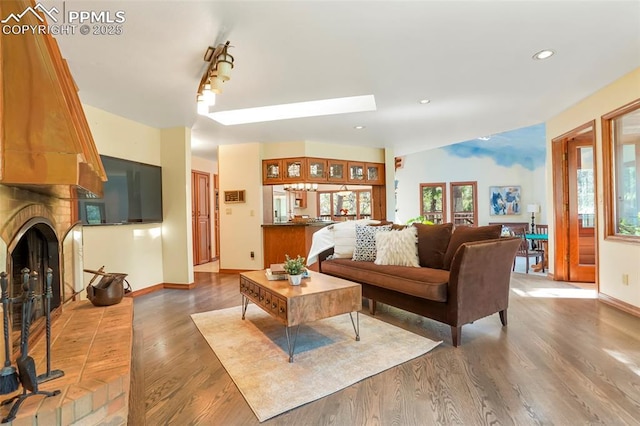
x=358, y=127
x=544, y=54
x=295, y=110
x=424, y=101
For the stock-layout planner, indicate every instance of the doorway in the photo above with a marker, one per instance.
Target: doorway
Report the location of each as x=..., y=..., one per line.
x=200, y=217
x=574, y=191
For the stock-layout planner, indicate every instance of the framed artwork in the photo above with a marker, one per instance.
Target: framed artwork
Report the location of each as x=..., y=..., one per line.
x=504, y=200
x=95, y=213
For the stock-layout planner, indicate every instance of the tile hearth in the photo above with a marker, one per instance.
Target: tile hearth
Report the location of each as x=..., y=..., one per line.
x=93, y=346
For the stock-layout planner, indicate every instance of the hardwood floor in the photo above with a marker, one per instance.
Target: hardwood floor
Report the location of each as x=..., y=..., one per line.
x=564, y=359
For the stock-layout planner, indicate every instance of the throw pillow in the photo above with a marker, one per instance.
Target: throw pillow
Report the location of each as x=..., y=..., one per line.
x=433, y=241
x=467, y=234
x=398, y=248
x=344, y=237
x=365, y=249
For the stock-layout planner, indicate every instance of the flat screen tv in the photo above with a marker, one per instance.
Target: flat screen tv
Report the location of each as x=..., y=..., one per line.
x=132, y=194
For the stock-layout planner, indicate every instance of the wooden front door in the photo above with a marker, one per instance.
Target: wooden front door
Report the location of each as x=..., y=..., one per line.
x=574, y=192
x=201, y=219
x=216, y=217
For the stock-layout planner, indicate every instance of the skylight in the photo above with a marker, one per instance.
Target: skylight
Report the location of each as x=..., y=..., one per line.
x=295, y=110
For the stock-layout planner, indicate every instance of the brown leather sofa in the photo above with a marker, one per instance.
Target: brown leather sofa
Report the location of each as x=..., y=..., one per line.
x=463, y=276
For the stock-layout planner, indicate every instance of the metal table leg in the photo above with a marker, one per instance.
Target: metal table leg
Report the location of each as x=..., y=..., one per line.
x=245, y=303
x=292, y=348
x=356, y=324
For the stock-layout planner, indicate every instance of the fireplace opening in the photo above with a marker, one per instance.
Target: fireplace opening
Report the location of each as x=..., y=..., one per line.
x=36, y=250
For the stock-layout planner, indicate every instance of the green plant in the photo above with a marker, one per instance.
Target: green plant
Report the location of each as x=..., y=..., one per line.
x=627, y=228
x=419, y=219
x=294, y=266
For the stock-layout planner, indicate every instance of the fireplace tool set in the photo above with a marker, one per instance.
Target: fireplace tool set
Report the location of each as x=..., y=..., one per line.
x=26, y=373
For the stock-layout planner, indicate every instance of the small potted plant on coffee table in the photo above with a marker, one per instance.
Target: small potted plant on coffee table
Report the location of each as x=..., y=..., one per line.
x=295, y=268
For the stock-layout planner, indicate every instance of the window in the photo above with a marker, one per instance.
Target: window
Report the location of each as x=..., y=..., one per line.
x=433, y=202
x=324, y=204
x=337, y=205
x=463, y=203
x=364, y=204
x=621, y=152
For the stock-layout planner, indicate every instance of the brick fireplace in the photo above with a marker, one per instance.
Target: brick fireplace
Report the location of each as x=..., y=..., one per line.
x=36, y=232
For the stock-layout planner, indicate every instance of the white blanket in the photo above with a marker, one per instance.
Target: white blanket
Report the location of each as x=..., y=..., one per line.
x=325, y=237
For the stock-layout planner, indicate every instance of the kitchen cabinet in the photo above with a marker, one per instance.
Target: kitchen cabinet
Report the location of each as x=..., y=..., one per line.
x=272, y=172
x=316, y=170
x=337, y=171
x=374, y=173
x=293, y=170
x=288, y=238
x=321, y=170
x=300, y=199
x=355, y=172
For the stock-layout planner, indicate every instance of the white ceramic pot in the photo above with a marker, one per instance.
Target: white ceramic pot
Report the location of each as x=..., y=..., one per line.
x=295, y=279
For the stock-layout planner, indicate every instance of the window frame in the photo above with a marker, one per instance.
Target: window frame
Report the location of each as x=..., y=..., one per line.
x=474, y=185
x=357, y=192
x=610, y=173
x=443, y=187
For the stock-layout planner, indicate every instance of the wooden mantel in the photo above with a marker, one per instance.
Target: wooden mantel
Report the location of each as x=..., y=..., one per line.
x=45, y=141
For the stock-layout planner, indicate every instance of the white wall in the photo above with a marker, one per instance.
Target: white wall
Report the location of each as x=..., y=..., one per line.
x=240, y=168
x=438, y=165
x=177, y=237
x=120, y=137
x=210, y=167
x=322, y=150
x=132, y=249
x=150, y=253
x=615, y=258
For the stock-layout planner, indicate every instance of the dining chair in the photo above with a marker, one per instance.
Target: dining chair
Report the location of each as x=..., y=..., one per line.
x=541, y=229
x=525, y=250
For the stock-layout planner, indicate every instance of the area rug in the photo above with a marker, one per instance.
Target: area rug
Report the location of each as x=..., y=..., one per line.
x=327, y=357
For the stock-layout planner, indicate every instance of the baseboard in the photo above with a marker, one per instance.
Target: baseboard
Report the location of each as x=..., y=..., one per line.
x=175, y=286
x=616, y=303
x=233, y=271
x=161, y=286
x=214, y=258
x=147, y=290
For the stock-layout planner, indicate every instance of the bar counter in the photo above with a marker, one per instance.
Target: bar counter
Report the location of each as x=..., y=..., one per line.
x=292, y=238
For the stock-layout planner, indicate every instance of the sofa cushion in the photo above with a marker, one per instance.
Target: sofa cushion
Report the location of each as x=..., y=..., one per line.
x=466, y=234
x=344, y=237
x=426, y=283
x=433, y=241
x=365, y=249
x=397, y=248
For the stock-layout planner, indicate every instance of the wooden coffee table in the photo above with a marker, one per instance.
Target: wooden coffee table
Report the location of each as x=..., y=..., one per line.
x=319, y=296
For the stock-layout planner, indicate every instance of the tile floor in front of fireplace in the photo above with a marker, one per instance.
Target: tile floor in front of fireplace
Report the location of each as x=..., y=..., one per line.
x=92, y=346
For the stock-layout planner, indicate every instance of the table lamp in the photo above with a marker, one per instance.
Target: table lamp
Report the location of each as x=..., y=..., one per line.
x=533, y=209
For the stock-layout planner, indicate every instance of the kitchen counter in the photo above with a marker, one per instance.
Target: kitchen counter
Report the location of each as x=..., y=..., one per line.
x=292, y=238
x=317, y=223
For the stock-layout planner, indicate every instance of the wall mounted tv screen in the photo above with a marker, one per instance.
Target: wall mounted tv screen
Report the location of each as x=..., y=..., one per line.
x=132, y=194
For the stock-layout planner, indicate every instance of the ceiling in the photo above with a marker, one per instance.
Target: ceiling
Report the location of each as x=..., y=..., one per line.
x=472, y=59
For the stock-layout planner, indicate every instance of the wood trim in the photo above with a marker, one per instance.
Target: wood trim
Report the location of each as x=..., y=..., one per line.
x=474, y=184
x=232, y=271
x=161, y=286
x=608, y=171
x=559, y=161
x=442, y=185
x=146, y=290
x=378, y=202
x=619, y=304
x=176, y=286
